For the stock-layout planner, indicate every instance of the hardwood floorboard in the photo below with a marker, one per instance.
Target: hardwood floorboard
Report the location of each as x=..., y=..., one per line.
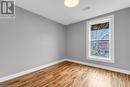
x=69, y=74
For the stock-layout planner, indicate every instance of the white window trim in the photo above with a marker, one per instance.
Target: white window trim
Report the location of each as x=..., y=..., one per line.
x=111, y=38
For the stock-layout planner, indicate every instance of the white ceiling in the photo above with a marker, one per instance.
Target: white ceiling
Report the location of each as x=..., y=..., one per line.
x=55, y=9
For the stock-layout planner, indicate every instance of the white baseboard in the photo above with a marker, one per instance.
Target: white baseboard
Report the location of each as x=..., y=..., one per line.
x=101, y=66
x=28, y=71
x=3, y=79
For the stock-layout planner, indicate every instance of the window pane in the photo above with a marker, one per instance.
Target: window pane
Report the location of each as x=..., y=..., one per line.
x=100, y=40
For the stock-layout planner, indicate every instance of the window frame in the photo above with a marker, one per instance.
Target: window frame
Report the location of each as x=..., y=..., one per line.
x=110, y=19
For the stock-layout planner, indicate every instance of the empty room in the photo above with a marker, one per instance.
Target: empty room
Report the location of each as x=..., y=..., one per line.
x=64, y=43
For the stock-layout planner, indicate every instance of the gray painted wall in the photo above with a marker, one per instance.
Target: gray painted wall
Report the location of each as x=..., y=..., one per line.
x=76, y=41
x=29, y=41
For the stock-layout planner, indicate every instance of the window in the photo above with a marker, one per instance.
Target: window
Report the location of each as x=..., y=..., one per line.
x=100, y=39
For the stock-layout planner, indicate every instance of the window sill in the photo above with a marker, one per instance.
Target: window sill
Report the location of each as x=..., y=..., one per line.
x=101, y=59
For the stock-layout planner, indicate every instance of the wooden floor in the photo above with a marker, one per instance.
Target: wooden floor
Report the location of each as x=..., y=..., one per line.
x=68, y=74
